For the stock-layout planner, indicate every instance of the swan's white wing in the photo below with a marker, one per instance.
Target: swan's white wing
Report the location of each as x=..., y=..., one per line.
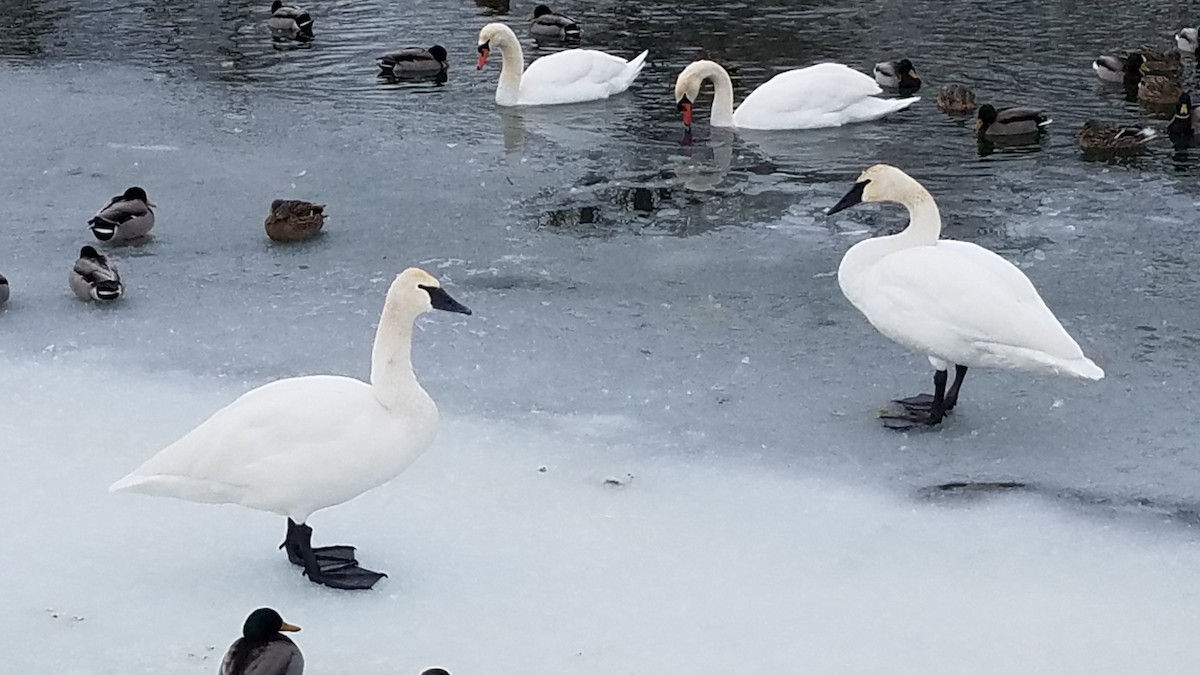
x=573, y=67
x=289, y=446
x=827, y=94
x=966, y=305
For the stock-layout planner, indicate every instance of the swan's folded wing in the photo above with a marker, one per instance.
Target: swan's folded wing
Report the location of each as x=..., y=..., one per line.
x=280, y=433
x=963, y=299
x=573, y=67
x=823, y=88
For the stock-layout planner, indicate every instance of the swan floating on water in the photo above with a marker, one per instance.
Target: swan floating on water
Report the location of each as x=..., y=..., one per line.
x=954, y=301
x=302, y=444
x=824, y=95
x=570, y=76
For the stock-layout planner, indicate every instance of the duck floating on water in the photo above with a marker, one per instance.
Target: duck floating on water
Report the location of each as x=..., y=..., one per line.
x=126, y=217
x=412, y=62
x=548, y=25
x=1017, y=125
x=898, y=75
x=263, y=649
x=289, y=22
x=302, y=444
x=1185, y=123
x=956, y=302
x=956, y=98
x=95, y=277
x=1109, y=137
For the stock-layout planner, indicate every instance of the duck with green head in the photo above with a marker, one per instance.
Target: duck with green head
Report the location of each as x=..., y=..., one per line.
x=263, y=649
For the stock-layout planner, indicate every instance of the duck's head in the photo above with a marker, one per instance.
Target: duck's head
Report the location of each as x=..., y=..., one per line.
x=435, y=671
x=488, y=33
x=90, y=253
x=439, y=52
x=136, y=193
x=540, y=11
x=418, y=291
x=1188, y=40
x=687, y=89
x=276, y=5
x=880, y=183
x=1135, y=63
x=985, y=117
x=1184, y=108
x=904, y=68
x=264, y=624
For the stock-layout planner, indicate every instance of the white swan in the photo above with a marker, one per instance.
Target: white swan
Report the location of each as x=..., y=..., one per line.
x=824, y=95
x=302, y=444
x=957, y=302
x=570, y=76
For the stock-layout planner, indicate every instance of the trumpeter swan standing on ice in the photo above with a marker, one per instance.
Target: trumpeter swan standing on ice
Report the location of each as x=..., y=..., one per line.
x=302, y=444
x=954, y=301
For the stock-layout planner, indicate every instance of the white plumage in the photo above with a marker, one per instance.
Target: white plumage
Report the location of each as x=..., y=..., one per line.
x=954, y=301
x=823, y=95
x=570, y=76
x=302, y=444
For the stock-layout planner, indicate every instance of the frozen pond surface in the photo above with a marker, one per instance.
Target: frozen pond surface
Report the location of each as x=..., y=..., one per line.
x=642, y=307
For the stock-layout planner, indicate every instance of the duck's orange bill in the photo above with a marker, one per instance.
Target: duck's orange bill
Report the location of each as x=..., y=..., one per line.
x=686, y=109
x=289, y=628
x=483, y=57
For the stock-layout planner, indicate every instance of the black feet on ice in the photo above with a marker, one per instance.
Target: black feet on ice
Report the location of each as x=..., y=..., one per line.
x=333, y=566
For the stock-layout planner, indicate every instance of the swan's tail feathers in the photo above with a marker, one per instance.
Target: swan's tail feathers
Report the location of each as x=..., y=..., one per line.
x=1085, y=368
x=635, y=65
x=128, y=483
x=871, y=108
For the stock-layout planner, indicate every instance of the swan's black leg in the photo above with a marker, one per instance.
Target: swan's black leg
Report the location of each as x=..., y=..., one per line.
x=333, y=566
x=912, y=417
x=921, y=402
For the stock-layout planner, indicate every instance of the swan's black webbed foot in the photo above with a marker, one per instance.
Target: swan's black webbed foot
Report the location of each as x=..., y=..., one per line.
x=333, y=566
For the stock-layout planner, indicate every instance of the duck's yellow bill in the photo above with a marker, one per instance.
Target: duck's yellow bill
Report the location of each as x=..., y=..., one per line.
x=289, y=628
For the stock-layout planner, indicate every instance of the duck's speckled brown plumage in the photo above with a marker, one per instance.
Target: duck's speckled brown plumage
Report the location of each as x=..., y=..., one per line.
x=1113, y=138
x=294, y=220
x=956, y=98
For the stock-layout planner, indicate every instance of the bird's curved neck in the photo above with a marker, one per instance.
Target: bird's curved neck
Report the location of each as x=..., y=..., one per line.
x=512, y=65
x=924, y=219
x=722, y=107
x=392, y=378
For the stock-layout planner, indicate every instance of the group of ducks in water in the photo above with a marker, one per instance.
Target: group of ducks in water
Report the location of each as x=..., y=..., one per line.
x=263, y=648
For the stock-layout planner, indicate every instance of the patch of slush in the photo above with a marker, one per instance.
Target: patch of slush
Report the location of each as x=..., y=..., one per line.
x=701, y=566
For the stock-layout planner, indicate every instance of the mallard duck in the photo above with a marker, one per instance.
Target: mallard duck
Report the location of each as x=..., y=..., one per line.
x=1158, y=90
x=1119, y=69
x=1009, y=123
x=263, y=649
x=956, y=98
x=95, y=277
x=1186, y=121
x=1109, y=137
x=290, y=22
x=126, y=217
x=547, y=25
x=1161, y=62
x=898, y=75
x=1187, y=40
x=4, y=291
x=413, y=61
x=436, y=671
x=294, y=220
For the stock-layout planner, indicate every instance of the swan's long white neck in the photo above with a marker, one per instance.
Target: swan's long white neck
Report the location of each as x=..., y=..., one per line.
x=512, y=65
x=722, y=107
x=392, y=378
x=924, y=229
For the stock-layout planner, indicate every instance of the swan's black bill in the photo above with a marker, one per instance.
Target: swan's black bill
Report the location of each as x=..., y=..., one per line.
x=852, y=198
x=440, y=299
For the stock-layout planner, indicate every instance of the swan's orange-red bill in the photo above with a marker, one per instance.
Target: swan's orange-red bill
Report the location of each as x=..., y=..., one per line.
x=483, y=57
x=686, y=108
